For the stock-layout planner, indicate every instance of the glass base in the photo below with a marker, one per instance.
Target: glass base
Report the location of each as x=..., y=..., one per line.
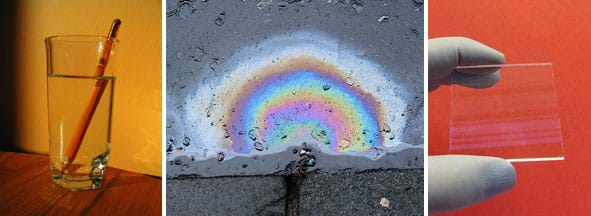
x=78, y=184
x=80, y=176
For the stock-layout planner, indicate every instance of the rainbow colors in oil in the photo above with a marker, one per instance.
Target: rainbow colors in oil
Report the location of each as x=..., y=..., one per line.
x=303, y=99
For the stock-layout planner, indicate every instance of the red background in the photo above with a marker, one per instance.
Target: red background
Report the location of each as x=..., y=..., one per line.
x=529, y=31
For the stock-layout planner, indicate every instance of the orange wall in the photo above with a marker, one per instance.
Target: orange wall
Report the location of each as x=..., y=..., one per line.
x=529, y=31
x=137, y=115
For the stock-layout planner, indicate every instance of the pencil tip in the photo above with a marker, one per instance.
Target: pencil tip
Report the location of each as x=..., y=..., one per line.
x=114, y=28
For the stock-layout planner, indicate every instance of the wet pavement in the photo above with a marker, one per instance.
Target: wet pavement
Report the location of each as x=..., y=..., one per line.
x=202, y=36
x=214, y=46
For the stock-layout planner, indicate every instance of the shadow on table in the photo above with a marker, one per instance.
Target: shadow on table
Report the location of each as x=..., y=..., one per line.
x=7, y=66
x=134, y=180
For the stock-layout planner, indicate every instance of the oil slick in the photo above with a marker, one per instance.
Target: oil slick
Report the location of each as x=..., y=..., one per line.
x=287, y=104
x=292, y=89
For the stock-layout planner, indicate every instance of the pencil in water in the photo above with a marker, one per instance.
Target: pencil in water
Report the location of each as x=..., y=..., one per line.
x=99, y=88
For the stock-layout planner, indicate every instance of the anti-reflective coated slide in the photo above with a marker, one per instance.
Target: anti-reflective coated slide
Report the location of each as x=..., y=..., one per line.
x=515, y=118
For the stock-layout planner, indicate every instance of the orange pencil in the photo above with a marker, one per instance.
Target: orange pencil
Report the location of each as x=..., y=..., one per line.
x=99, y=88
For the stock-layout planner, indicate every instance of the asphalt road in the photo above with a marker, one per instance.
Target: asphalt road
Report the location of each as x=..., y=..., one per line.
x=319, y=194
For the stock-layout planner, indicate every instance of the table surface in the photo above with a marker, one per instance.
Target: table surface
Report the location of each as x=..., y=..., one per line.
x=529, y=31
x=26, y=189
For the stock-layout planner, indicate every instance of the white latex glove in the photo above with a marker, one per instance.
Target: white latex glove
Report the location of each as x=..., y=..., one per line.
x=458, y=181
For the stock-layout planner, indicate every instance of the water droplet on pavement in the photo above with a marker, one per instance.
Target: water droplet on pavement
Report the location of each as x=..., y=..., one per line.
x=310, y=162
x=220, y=19
x=187, y=141
x=252, y=134
x=345, y=143
x=320, y=135
x=357, y=6
x=258, y=146
x=350, y=81
x=383, y=18
x=386, y=128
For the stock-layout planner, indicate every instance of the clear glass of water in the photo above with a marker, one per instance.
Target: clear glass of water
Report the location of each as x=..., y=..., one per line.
x=79, y=101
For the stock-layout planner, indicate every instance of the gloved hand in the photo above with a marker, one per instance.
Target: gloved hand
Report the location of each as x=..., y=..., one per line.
x=458, y=181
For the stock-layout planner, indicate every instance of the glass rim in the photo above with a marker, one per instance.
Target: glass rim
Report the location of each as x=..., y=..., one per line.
x=78, y=38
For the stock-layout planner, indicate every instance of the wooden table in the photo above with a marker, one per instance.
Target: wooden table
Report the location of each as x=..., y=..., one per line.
x=26, y=189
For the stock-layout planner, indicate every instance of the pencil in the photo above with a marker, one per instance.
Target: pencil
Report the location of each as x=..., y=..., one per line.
x=95, y=98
